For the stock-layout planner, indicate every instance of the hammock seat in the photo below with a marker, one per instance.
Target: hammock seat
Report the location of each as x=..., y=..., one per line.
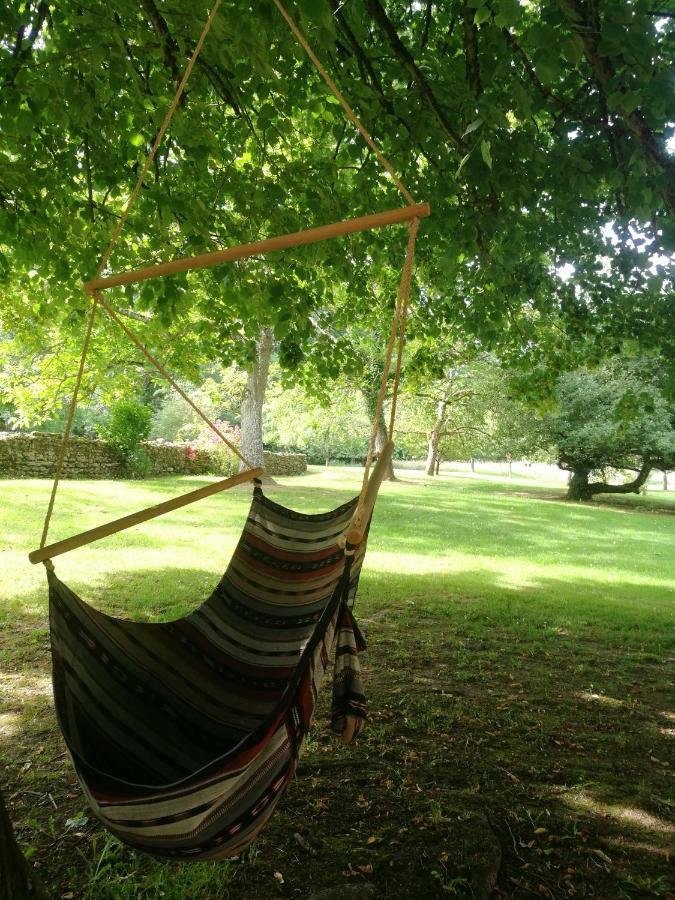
x=185, y=734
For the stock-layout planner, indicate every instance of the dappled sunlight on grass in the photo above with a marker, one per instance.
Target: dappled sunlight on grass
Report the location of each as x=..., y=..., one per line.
x=584, y=801
x=17, y=688
x=589, y=697
x=9, y=724
x=518, y=669
x=444, y=539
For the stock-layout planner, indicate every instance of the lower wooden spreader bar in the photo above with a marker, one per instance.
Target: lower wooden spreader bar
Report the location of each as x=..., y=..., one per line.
x=283, y=242
x=151, y=512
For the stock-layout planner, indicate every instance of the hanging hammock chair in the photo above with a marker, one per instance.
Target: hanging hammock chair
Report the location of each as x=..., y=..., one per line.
x=184, y=734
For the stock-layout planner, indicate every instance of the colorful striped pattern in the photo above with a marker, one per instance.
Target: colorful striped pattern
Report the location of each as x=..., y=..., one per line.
x=185, y=734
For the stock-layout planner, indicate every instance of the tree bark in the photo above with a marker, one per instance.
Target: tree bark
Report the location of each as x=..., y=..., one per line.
x=370, y=396
x=435, y=437
x=471, y=50
x=380, y=440
x=18, y=880
x=580, y=488
x=253, y=399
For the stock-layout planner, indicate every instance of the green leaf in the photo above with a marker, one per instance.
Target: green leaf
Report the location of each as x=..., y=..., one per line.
x=461, y=165
x=507, y=12
x=482, y=15
x=137, y=140
x=485, y=153
x=472, y=127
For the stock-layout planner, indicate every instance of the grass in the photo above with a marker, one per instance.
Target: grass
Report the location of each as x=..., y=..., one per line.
x=519, y=674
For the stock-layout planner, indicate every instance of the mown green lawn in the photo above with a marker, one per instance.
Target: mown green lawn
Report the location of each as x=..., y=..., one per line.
x=520, y=673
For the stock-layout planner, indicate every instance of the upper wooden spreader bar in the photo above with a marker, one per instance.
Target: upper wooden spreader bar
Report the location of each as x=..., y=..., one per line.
x=151, y=512
x=283, y=242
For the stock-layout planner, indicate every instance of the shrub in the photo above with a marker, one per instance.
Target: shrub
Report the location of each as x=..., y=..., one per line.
x=127, y=427
x=224, y=462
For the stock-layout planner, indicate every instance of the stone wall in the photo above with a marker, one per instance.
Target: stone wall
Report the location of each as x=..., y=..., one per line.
x=284, y=463
x=34, y=455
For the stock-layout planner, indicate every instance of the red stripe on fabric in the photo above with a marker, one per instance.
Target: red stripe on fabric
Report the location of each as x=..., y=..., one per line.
x=138, y=795
x=255, y=565
x=288, y=554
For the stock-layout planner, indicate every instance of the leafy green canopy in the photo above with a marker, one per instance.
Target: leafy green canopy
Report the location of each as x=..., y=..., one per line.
x=529, y=127
x=615, y=416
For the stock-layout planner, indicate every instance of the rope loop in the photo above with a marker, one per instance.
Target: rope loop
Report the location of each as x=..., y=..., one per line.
x=399, y=321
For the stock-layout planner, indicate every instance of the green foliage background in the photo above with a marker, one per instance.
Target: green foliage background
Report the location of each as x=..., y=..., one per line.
x=537, y=132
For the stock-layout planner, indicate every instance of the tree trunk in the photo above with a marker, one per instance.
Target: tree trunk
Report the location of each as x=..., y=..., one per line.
x=435, y=437
x=580, y=488
x=438, y=464
x=510, y=468
x=18, y=880
x=370, y=396
x=253, y=399
x=473, y=464
x=380, y=441
x=665, y=480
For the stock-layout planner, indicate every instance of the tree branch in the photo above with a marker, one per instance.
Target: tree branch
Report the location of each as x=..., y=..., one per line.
x=132, y=314
x=529, y=69
x=471, y=51
x=631, y=487
x=427, y=25
x=87, y=169
x=404, y=56
x=587, y=26
x=367, y=69
x=22, y=51
x=169, y=43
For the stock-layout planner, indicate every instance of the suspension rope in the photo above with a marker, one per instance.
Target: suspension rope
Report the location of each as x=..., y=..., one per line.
x=69, y=422
x=398, y=325
x=158, y=140
x=174, y=384
x=401, y=310
x=405, y=292
x=351, y=115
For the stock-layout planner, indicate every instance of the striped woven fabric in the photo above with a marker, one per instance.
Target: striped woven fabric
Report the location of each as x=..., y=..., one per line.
x=185, y=734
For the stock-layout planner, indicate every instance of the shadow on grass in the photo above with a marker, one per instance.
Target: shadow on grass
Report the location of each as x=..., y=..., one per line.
x=537, y=722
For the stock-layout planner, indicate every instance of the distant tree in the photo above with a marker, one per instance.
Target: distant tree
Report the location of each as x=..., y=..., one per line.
x=613, y=417
x=467, y=409
x=324, y=431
